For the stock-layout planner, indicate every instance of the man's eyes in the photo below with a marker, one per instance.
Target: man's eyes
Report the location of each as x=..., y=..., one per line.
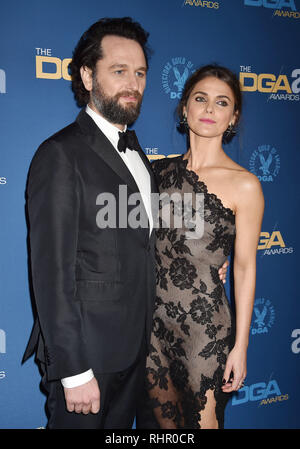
x=122, y=71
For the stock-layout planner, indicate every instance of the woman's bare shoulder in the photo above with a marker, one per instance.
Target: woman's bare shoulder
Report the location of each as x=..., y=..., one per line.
x=242, y=177
x=247, y=182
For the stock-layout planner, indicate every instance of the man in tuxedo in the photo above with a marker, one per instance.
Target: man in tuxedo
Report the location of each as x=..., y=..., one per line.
x=93, y=284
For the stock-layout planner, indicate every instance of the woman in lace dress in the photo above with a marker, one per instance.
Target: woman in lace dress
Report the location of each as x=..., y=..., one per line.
x=198, y=349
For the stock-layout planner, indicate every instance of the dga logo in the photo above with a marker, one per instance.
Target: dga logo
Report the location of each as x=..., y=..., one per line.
x=263, y=316
x=266, y=393
x=2, y=342
x=265, y=163
x=50, y=67
x=202, y=3
x=269, y=242
x=296, y=343
x=2, y=82
x=174, y=76
x=280, y=87
x=153, y=154
x=278, y=5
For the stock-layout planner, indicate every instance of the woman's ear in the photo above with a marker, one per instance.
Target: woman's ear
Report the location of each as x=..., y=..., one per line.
x=234, y=118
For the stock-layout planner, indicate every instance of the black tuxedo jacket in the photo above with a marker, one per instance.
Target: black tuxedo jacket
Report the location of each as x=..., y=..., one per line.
x=94, y=288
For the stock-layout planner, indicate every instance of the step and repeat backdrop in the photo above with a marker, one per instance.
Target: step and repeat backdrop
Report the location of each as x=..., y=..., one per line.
x=257, y=39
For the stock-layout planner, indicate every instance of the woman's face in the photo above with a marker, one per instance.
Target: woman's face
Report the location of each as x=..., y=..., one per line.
x=210, y=108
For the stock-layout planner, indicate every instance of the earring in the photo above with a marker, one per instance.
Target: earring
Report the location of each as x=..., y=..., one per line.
x=184, y=123
x=230, y=131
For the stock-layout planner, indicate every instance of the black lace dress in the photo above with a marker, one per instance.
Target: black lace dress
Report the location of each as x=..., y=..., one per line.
x=192, y=324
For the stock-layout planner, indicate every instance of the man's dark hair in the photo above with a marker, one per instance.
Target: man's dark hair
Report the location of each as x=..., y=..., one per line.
x=88, y=50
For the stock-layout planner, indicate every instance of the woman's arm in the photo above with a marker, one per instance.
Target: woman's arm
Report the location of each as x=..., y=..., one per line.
x=249, y=214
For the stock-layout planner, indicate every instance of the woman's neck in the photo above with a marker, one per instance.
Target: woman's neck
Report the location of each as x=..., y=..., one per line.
x=204, y=152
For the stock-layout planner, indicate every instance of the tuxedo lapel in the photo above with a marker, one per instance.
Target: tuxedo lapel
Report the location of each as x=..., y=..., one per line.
x=144, y=158
x=99, y=143
x=154, y=188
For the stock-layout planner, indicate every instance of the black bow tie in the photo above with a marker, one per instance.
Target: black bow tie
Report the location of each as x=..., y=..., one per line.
x=129, y=140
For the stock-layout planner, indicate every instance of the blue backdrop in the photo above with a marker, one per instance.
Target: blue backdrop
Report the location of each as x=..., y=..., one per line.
x=259, y=40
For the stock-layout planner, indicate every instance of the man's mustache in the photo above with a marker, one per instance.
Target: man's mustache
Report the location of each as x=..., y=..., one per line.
x=129, y=93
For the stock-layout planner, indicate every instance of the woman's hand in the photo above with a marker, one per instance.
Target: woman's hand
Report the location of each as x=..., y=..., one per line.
x=236, y=366
x=223, y=271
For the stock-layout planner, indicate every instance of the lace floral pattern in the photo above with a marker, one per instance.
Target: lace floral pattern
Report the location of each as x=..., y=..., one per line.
x=192, y=325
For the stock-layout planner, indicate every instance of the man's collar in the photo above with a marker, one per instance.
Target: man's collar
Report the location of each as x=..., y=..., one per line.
x=111, y=131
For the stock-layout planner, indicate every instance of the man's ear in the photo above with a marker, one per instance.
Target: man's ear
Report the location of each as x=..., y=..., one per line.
x=87, y=77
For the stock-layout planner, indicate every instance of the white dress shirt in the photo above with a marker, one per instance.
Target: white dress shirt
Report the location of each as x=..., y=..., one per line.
x=141, y=176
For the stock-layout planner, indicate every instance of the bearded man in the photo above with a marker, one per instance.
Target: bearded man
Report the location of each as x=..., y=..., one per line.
x=94, y=284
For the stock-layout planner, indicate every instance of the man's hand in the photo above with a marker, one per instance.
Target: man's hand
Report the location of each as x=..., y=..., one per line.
x=222, y=271
x=83, y=399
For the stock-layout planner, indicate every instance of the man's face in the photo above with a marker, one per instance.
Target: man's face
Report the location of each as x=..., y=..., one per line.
x=118, y=82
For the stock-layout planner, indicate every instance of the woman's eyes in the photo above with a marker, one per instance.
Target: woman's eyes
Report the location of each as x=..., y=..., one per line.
x=200, y=99
x=203, y=100
x=222, y=103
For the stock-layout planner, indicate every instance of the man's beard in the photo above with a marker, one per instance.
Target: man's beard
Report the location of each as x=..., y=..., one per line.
x=110, y=108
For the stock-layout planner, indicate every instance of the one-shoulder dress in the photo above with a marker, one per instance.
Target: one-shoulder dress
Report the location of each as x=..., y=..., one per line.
x=193, y=325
